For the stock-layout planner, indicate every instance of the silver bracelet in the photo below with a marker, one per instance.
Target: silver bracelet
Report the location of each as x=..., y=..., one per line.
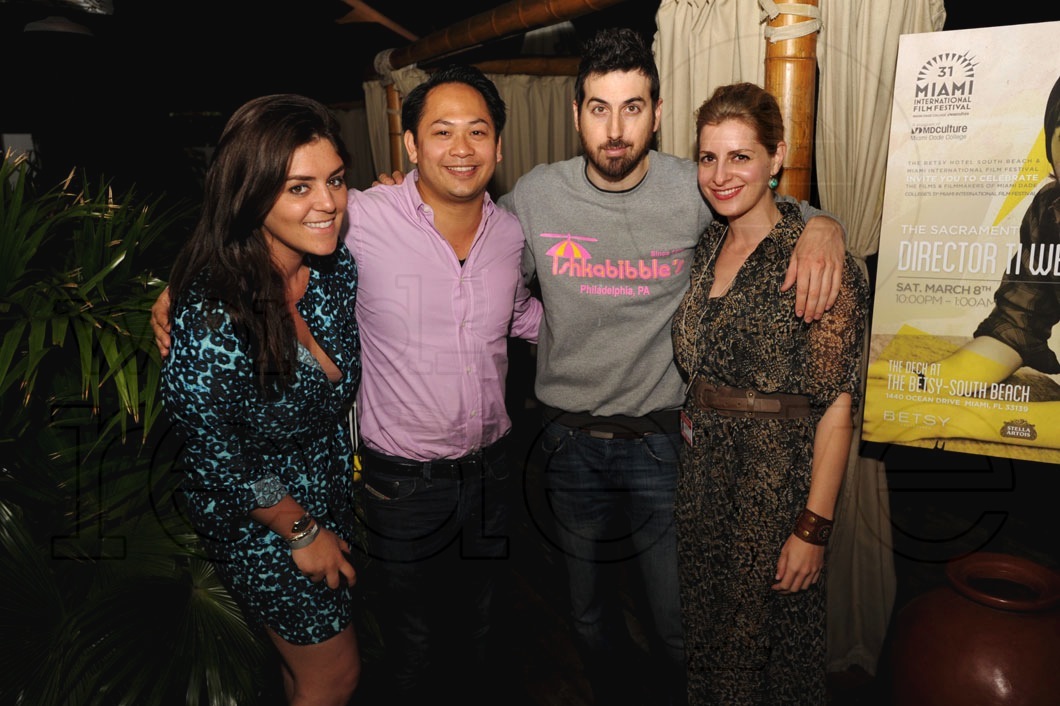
x=304, y=539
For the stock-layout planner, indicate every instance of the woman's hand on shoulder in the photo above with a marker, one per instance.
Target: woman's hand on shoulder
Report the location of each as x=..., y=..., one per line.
x=816, y=268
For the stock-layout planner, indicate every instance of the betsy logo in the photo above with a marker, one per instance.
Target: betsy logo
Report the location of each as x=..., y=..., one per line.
x=571, y=257
x=944, y=86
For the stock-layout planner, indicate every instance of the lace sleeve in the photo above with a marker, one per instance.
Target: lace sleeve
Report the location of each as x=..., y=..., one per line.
x=835, y=344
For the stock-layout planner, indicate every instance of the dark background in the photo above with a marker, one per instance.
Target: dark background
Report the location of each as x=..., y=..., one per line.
x=153, y=78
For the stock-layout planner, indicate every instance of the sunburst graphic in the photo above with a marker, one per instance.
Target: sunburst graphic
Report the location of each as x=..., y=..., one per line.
x=950, y=66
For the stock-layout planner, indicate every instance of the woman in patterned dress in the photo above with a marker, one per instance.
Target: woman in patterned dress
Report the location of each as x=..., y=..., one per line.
x=767, y=424
x=264, y=366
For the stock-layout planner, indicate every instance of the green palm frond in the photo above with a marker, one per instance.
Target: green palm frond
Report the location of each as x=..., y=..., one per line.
x=9, y=346
x=33, y=608
x=26, y=220
x=118, y=605
x=107, y=599
x=80, y=263
x=221, y=663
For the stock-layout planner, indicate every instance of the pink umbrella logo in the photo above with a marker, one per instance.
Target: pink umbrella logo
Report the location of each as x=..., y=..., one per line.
x=567, y=248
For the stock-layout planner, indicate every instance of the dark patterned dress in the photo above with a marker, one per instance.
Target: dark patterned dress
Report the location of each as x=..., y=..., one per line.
x=743, y=481
x=243, y=451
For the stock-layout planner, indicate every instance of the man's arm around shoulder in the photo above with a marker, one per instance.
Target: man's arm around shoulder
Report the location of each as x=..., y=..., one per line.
x=816, y=267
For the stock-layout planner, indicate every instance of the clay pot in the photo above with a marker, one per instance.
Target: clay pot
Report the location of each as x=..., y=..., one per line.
x=989, y=638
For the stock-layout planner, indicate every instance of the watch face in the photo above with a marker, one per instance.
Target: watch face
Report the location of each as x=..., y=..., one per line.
x=301, y=524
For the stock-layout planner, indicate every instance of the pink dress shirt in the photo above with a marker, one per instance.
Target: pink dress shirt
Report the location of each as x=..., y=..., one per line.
x=434, y=333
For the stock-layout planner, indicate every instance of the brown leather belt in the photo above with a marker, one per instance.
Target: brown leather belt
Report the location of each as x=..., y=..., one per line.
x=740, y=402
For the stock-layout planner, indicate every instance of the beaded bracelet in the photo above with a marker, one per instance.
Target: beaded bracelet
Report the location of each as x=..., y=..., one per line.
x=812, y=528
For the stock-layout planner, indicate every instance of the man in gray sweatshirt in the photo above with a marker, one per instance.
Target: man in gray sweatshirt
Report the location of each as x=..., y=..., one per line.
x=610, y=236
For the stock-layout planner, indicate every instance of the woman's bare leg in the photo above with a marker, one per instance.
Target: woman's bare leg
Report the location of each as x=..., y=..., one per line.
x=324, y=674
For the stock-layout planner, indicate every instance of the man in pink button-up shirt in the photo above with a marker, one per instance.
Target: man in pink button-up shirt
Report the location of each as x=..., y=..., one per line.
x=435, y=321
x=439, y=293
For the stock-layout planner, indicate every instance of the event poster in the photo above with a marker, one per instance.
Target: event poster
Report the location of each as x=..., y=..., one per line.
x=950, y=365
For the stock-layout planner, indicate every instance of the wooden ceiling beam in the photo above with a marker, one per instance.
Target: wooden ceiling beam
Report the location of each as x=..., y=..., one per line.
x=532, y=65
x=502, y=21
x=364, y=13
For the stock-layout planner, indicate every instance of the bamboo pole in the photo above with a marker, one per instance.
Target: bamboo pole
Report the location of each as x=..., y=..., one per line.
x=791, y=76
x=532, y=66
x=510, y=18
x=393, y=121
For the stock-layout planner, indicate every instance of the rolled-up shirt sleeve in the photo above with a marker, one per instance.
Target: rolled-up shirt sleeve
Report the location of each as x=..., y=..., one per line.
x=526, y=314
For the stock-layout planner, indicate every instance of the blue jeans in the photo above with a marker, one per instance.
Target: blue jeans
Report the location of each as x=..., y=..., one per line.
x=612, y=502
x=433, y=546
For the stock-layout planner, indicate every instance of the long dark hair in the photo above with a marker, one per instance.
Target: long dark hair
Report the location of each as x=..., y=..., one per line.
x=227, y=254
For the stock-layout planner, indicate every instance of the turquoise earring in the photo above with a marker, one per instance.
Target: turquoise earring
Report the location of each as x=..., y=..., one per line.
x=773, y=183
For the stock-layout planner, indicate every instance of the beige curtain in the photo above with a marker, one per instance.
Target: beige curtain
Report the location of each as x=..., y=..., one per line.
x=375, y=107
x=701, y=44
x=698, y=45
x=354, y=123
x=379, y=118
x=856, y=52
x=540, y=126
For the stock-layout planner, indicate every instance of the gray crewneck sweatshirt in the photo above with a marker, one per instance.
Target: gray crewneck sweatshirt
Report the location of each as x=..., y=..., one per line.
x=613, y=267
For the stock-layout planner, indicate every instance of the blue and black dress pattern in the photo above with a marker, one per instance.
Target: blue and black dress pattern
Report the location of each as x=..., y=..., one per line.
x=244, y=449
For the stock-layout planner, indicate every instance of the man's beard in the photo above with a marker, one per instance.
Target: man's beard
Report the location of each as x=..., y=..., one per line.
x=614, y=169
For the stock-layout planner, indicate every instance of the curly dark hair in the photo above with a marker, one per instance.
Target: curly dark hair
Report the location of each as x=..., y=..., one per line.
x=616, y=49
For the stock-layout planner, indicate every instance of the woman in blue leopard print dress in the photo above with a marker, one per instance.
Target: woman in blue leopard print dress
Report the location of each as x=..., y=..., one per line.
x=264, y=365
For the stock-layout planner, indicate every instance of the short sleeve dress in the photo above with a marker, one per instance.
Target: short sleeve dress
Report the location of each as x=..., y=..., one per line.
x=243, y=450
x=743, y=481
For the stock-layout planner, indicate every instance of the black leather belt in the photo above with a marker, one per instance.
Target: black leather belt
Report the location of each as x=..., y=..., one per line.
x=468, y=466
x=602, y=434
x=616, y=426
x=740, y=402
